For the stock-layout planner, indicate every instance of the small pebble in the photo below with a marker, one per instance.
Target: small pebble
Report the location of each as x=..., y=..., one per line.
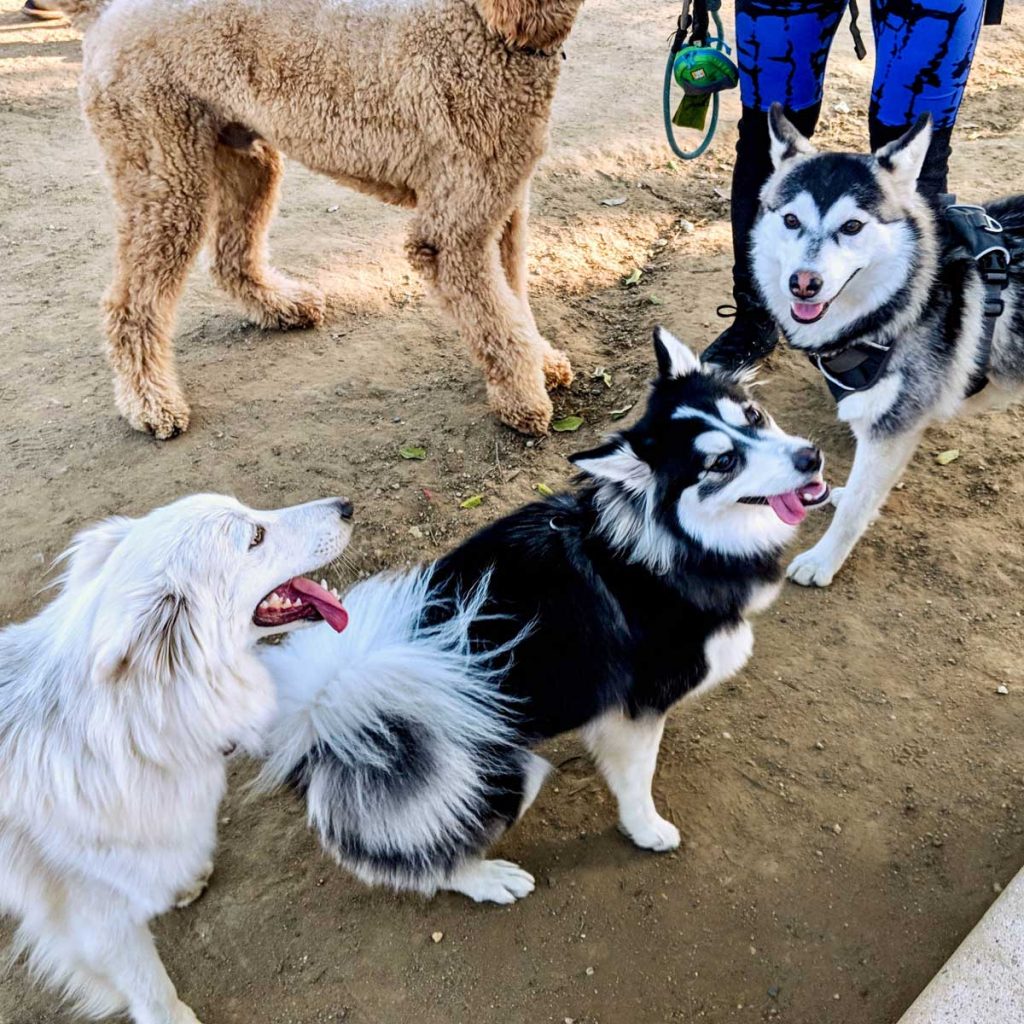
x=436, y=937
x=1002, y=690
x=837, y=828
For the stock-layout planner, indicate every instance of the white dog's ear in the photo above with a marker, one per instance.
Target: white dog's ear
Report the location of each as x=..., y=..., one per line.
x=90, y=549
x=154, y=640
x=674, y=358
x=786, y=141
x=616, y=462
x=904, y=157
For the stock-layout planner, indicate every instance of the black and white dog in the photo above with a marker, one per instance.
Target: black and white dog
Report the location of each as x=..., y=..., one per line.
x=879, y=288
x=411, y=733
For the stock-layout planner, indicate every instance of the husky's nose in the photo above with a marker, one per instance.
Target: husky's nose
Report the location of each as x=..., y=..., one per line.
x=805, y=284
x=807, y=460
x=344, y=507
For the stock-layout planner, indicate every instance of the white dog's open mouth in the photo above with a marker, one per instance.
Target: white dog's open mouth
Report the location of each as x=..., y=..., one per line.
x=808, y=312
x=791, y=507
x=301, y=599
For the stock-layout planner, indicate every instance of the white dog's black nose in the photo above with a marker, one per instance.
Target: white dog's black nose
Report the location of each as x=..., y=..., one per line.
x=344, y=507
x=807, y=460
x=805, y=284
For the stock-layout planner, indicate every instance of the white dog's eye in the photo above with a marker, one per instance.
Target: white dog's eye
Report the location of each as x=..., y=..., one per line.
x=852, y=227
x=257, y=538
x=723, y=463
x=792, y=221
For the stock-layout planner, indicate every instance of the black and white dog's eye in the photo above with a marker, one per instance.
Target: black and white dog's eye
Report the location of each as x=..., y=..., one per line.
x=257, y=537
x=754, y=416
x=792, y=221
x=852, y=227
x=725, y=462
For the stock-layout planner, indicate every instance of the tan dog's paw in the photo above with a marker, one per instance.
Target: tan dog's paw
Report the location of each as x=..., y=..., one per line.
x=188, y=896
x=557, y=369
x=164, y=413
x=290, y=306
x=527, y=411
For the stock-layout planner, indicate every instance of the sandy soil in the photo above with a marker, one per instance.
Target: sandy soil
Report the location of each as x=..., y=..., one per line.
x=850, y=803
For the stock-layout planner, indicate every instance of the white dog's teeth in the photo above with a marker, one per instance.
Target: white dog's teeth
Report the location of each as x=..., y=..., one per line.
x=286, y=603
x=264, y=605
x=274, y=601
x=323, y=583
x=297, y=602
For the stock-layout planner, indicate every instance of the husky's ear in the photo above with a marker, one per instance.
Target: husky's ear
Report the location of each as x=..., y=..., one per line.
x=614, y=461
x=674, y=358
x=904, y=157
x=89, y=550
x=155, y=640
x=786, y=141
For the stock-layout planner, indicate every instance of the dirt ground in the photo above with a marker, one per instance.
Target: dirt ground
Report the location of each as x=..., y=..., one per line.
x=850, y=804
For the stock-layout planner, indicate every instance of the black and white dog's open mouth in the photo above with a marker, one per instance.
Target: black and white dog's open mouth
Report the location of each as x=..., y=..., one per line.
x=808, y=312
x=791, y=507
x=301, y=599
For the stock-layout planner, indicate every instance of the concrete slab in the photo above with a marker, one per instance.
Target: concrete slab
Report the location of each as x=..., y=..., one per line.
x=983, y=981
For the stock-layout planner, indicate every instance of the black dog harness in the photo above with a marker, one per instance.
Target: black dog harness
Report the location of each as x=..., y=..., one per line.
x=971, y=234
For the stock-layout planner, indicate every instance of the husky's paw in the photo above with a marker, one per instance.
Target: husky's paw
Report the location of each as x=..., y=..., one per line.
x=653, y=833
x=814, y=568
x=492, y=881
x=837, y=496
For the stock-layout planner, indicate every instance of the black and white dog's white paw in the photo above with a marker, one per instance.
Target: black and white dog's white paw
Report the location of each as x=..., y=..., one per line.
x=652, y=833
x=814, y=568
x=492, y=881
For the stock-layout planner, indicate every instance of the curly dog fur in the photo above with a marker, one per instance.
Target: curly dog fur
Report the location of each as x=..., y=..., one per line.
x=441, y=105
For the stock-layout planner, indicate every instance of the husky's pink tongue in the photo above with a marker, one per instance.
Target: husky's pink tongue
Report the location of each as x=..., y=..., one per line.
x=323, y=601
x=806, y=310
x=788, y=507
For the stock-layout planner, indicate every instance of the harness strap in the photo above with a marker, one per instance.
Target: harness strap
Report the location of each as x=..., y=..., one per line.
x=855, y=369
x=858, y=40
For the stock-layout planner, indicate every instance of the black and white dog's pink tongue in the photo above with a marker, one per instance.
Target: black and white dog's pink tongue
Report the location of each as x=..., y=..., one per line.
x=323, y=601
x=807, y=310
x=788, y=507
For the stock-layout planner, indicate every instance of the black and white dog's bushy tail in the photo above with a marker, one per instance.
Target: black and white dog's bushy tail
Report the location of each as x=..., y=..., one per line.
x=397, y=733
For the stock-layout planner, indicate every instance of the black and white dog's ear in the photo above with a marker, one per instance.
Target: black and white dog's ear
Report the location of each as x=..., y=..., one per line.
x=614, y=461
x=904, y=157
x=674, y=358
x=786, y=141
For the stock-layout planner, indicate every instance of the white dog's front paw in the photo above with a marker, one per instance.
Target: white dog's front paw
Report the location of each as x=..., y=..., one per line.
x=492, y=881
x=836, y=496
x=653, y=833
x=814, y=568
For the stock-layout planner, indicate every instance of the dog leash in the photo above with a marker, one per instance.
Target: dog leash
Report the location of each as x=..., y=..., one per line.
x=974, y=234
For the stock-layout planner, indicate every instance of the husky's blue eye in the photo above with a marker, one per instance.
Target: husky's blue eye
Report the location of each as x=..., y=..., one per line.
x=792, y=221
x=725, y=462
x=852, y=227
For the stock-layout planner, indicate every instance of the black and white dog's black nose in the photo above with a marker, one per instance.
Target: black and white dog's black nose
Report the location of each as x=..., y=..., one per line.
x=344, y=507
x=807, y=460
x=805, y=284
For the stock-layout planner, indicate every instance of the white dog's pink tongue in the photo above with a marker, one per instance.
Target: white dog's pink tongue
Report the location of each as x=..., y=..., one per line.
x=788, y=507
x=807, y=310
x=323, y=601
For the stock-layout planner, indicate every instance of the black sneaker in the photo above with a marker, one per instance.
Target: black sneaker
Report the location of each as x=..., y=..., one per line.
x=747, y=340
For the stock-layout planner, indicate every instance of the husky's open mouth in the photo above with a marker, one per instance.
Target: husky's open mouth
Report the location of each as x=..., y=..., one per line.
x=300, y=599
x=791, y=507
x=808, y=312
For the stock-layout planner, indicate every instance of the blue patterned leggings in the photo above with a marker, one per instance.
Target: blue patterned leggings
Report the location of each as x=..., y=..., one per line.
x=924, y=51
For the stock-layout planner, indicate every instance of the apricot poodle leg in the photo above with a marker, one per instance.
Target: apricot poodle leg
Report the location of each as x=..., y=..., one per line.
x=466, y=272
x=247, y=184
x=557, y=369
x=162, y=195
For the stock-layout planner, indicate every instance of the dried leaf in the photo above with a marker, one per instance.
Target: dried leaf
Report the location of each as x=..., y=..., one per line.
x=472, y=502
x=634, y=279
x=567, y=424
x=654, y=300
x=614, y=201
x=545, y=490
x=617, y=414
x=604, y=374
x=946, y=457
x=412, y=452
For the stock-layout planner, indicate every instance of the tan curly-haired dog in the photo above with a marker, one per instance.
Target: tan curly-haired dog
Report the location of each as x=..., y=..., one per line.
x=438, y=104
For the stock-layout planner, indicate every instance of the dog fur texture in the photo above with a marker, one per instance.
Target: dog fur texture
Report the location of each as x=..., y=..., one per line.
x=888, y=274
x=117, y=704
x=438, y=104
x=411, y=734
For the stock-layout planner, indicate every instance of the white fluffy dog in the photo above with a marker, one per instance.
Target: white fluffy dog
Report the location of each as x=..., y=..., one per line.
x=117, y=705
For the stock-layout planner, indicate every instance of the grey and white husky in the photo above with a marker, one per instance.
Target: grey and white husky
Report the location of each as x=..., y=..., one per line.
x=868, y=278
